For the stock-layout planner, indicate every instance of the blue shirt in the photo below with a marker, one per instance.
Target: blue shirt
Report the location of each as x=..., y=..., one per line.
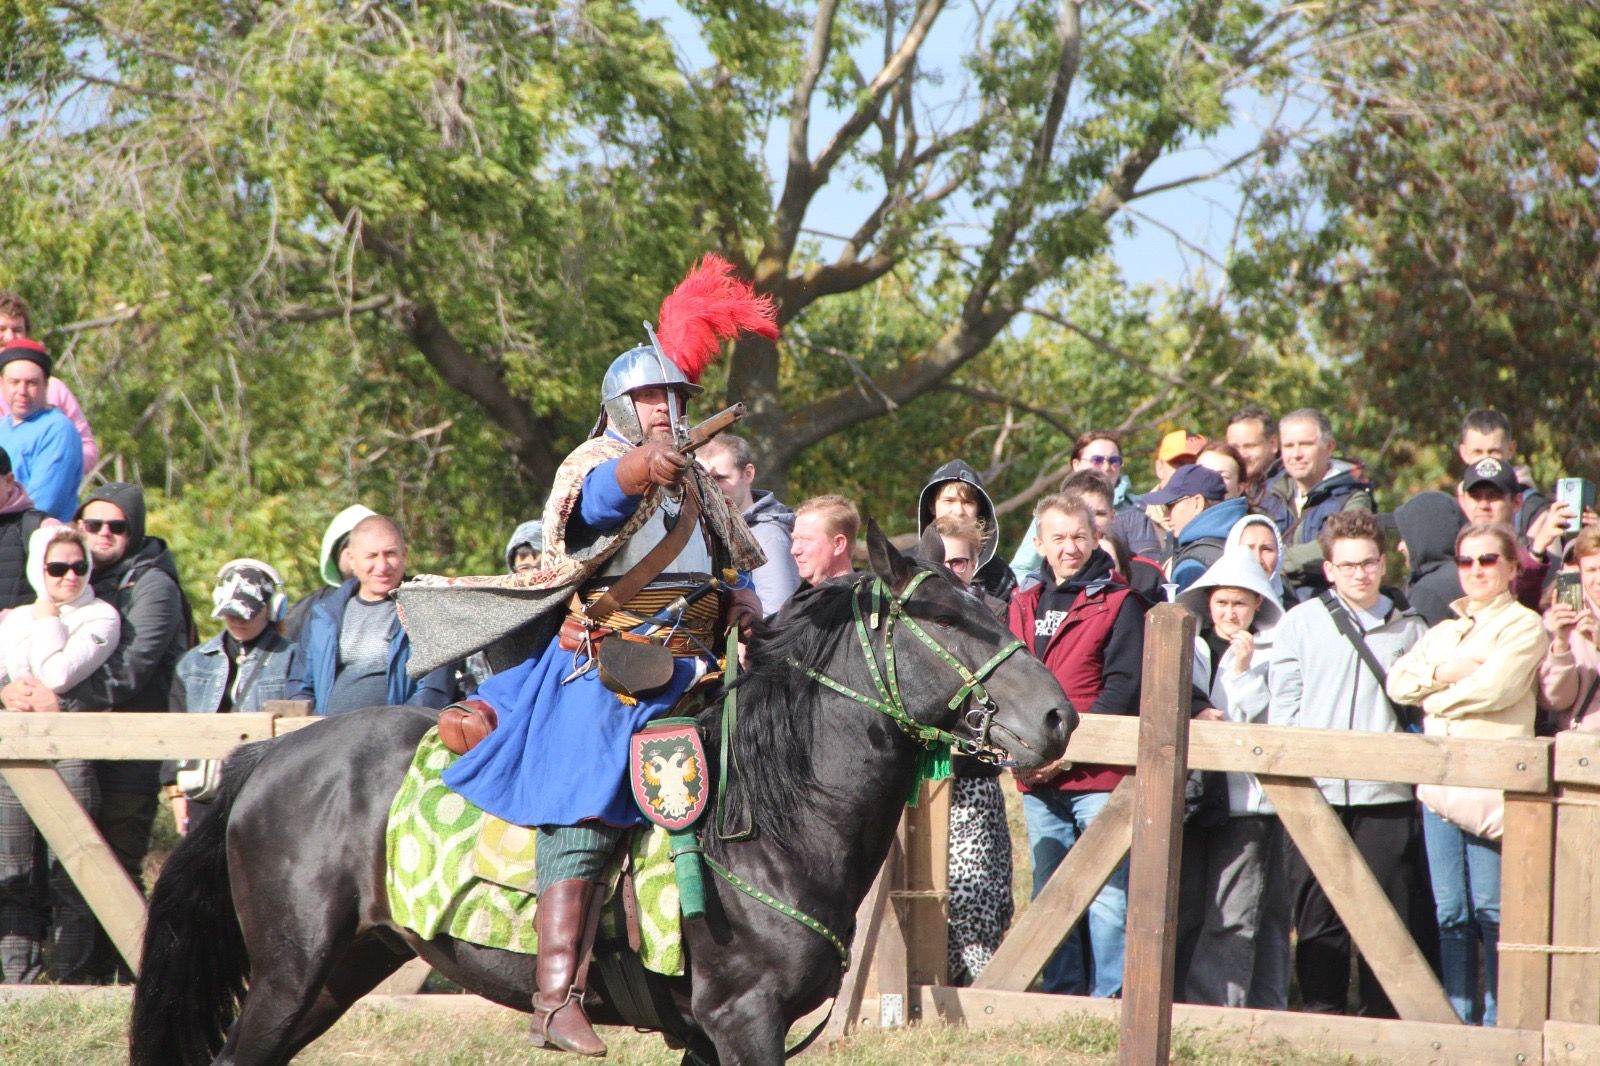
x=47, y=457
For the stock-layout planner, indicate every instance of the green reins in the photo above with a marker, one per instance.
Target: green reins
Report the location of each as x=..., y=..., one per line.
x=933, y=762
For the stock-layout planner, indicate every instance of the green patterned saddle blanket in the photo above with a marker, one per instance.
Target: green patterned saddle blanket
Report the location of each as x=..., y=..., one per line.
x=455, y=869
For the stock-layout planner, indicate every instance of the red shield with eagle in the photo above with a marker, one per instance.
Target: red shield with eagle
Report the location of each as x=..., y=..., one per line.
x=667, y=770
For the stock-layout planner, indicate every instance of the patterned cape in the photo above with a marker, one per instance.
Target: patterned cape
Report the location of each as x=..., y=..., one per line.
x=513, y=616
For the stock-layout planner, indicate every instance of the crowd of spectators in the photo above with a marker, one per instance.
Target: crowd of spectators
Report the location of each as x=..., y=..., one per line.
x=1268, y=535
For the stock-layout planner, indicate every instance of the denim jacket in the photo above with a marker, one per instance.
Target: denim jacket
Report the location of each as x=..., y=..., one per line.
x=203, y=671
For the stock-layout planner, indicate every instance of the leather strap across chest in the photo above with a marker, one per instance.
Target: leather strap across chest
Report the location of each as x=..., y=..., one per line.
x=655, y=561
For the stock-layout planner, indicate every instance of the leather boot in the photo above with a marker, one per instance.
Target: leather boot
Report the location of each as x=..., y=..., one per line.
x=568, y=915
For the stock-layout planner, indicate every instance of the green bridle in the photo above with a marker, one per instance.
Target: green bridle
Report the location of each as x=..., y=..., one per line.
x=934, y=762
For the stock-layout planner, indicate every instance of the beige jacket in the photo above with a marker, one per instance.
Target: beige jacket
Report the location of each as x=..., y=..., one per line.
x=1496, y=700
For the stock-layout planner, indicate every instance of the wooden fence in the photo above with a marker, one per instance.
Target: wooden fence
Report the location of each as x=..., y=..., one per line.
x=1549, y=987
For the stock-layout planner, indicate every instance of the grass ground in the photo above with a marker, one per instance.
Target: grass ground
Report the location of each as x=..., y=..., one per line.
x=60, y=1030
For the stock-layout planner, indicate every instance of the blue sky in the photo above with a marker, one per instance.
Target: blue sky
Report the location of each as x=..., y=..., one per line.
x=1183, y=234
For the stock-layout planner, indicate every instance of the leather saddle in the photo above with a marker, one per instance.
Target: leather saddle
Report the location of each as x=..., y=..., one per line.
x=463, y=725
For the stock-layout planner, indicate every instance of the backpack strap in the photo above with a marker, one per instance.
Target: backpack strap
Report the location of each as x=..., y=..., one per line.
x=1349, y=630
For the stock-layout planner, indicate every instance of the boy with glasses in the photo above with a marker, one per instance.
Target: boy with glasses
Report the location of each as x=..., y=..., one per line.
x=1319, y=678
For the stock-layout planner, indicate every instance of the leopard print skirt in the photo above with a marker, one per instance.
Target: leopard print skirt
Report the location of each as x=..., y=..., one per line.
x=980, y=875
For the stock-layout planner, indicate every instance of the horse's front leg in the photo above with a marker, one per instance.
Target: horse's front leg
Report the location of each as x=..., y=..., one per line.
x=748, y=1030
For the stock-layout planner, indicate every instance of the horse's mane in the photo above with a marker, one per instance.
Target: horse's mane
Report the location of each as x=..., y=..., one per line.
x=777, y=707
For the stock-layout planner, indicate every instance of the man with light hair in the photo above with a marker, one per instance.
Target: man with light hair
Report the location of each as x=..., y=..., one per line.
x=728, y=460
x=825, y=529
x=1087, y=626
x=353, y=651
x=1312, y=487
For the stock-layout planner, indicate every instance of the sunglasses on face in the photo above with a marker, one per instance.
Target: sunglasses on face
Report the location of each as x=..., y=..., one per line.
x=79, y=567
x=1486, y=560
x=1104, y=460
x=115, y=526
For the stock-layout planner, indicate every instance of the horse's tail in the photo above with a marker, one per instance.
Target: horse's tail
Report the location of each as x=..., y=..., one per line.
x=193, y=970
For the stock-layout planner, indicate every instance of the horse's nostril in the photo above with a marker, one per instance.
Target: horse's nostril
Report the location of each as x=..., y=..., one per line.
x=1059, y=722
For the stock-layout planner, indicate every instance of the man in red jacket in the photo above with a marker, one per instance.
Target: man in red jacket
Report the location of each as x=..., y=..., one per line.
x=1087, y=626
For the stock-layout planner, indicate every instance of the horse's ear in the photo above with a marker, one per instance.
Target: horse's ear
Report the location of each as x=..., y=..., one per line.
x=887, y=562
x=930, y=549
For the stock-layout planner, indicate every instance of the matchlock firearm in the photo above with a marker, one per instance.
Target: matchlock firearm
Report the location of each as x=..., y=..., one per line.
x=702, y=434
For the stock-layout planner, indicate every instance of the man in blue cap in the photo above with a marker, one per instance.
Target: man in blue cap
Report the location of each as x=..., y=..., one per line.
x=1200, y=518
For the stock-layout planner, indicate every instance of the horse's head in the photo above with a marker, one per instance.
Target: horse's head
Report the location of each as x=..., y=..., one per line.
x=951, y=640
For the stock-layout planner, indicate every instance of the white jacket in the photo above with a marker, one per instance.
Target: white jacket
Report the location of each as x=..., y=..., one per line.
x=58, y=652
x=1241, y=697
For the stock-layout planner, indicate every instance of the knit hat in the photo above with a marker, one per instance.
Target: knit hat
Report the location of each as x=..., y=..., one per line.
x=28, y=349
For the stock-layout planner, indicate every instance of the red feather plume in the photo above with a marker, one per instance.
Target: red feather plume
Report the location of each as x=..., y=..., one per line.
x=708, y=307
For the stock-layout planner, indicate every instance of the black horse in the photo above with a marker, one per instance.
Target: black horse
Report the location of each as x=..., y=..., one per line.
x=282, y=891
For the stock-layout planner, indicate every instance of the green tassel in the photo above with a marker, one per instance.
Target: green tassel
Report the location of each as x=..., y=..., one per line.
x=933, y=764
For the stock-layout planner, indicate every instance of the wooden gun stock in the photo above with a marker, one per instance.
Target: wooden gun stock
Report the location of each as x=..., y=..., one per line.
x=720, y=422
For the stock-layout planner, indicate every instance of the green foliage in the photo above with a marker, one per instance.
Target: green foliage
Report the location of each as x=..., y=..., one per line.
x=1456, y=264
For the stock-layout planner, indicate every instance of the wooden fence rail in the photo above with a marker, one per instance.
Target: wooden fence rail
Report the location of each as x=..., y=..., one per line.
x=1549, y=991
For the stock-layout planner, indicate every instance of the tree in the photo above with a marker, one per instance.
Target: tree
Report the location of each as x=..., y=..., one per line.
x=508, y=189
x=1456, y=263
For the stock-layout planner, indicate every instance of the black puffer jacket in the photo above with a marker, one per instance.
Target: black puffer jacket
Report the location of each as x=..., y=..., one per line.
x=15, y=529
x=156, y=622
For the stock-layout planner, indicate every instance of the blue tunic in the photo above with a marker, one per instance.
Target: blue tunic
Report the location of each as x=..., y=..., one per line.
x=560, y=753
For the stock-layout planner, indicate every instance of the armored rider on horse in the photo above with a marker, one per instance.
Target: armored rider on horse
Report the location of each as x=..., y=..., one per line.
x=638, y=541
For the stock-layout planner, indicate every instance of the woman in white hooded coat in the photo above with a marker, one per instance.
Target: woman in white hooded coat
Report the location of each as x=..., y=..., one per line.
x=58, y=641
x=1233, y=903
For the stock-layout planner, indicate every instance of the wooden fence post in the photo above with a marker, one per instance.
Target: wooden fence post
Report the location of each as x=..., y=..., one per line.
x=1528, y=856
x=1163, y=766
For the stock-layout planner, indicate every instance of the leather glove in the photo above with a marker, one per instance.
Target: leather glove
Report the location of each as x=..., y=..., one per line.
x=743, y=609
x=652, y=463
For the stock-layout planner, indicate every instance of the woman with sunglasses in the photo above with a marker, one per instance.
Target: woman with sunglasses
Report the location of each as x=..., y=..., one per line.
x=63, y=637
x=1475, y=676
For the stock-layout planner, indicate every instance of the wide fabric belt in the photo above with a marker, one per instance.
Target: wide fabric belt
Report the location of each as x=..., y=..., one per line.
x=698, y=623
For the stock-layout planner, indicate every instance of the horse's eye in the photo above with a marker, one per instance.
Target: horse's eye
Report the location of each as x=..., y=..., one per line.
x=944, y=621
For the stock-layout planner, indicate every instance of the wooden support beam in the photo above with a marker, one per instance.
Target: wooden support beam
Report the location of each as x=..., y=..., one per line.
x=1575, y=977
x=118, y=735
x=1344, y=876
x=1050, y=917
x=1577, y=760
x=1289, y=751
x=1571, y=1044
x=1152, y=937
x=890, y=965
x=1526, y=875
x=924, y=900
x=847, y=1004
x=82, y=851
x=1266, y=1032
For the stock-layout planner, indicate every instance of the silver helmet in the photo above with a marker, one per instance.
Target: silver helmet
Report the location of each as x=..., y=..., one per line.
x=638, y=368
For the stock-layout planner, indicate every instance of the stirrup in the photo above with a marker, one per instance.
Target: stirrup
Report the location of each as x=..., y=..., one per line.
x=539, y=1025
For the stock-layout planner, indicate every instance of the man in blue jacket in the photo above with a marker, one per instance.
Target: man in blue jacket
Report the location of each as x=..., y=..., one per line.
x=1200, y=518
x=353, y=651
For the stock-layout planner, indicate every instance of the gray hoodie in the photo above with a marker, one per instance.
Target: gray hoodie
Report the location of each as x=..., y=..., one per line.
x=1318, y=681
x=772, y=524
